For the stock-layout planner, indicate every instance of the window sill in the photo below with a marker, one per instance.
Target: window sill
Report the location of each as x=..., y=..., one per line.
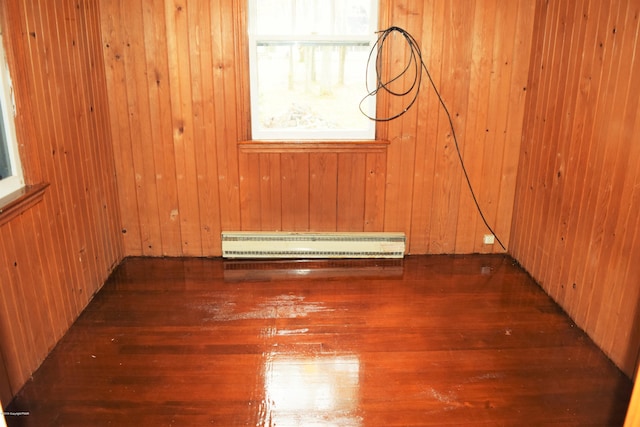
x=369, y=146
x=14, y=204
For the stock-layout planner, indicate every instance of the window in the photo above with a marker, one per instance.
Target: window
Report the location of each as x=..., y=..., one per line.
x=308, y=68
x=11, y=178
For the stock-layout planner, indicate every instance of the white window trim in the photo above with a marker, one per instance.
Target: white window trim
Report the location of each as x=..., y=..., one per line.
x=15, y=182
x=369, y=104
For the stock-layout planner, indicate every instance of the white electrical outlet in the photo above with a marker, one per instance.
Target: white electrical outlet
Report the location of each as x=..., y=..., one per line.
x=489, y=239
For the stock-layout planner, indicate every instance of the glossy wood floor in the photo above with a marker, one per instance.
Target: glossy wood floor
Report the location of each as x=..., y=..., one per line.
x=424, y=341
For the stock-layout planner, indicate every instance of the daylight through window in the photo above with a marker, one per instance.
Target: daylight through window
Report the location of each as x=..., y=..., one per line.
x=10, y=170
x=308, y=66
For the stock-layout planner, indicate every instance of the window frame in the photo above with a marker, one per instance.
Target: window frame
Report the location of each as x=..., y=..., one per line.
x=15, y=182
x=253, y=39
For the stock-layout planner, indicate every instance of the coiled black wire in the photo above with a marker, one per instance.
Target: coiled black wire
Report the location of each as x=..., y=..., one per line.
x=414, y=65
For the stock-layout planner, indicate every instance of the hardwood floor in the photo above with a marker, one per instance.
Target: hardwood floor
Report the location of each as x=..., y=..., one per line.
x=424, y=341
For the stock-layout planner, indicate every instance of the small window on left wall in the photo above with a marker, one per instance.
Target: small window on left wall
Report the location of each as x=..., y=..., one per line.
x=11, y=178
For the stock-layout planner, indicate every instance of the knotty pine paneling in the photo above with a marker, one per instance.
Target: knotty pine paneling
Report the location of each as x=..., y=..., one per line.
x=171, y=77
x=577, y=206
x=319, y=190
x=57, y=254
x=178, y=86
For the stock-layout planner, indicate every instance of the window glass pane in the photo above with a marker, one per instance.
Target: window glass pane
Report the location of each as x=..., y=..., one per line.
x=317, y=17
x=5, y=163
x=311, y=85
x=11, y=178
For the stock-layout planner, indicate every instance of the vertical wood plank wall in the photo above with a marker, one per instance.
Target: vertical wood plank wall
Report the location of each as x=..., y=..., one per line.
x=576, y=219
x=177, y=83
x=175, y=76
x=56, y=255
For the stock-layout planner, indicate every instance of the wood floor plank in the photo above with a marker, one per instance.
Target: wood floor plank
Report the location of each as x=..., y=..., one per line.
x=423, y=341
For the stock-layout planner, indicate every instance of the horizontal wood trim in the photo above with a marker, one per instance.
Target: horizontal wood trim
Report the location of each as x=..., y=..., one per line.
x=19, y=201
x=255, y=146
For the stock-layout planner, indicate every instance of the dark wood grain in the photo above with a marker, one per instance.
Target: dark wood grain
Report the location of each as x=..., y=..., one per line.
x=429, y=340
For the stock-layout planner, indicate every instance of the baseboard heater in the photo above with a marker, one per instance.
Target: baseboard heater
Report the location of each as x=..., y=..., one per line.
x=247, y=244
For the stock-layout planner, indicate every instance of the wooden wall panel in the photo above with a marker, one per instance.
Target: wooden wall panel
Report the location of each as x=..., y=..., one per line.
x=323, y=192
x=57, y=254
x=375, y=170
x=575, y=226
x=179, y=164
x=170, y=71
x=294, y=169
x=319, y=191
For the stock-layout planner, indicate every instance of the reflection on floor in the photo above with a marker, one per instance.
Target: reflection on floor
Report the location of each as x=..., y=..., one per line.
x=314, y=390
x=423, y=341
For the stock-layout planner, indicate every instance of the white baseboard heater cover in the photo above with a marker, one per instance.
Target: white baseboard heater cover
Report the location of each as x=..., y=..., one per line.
x=249, y=244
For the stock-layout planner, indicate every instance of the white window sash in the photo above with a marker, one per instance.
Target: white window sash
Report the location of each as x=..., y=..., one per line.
x=15, y=182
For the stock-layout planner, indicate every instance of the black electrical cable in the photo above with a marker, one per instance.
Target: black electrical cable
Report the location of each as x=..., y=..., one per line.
x=415, y=64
